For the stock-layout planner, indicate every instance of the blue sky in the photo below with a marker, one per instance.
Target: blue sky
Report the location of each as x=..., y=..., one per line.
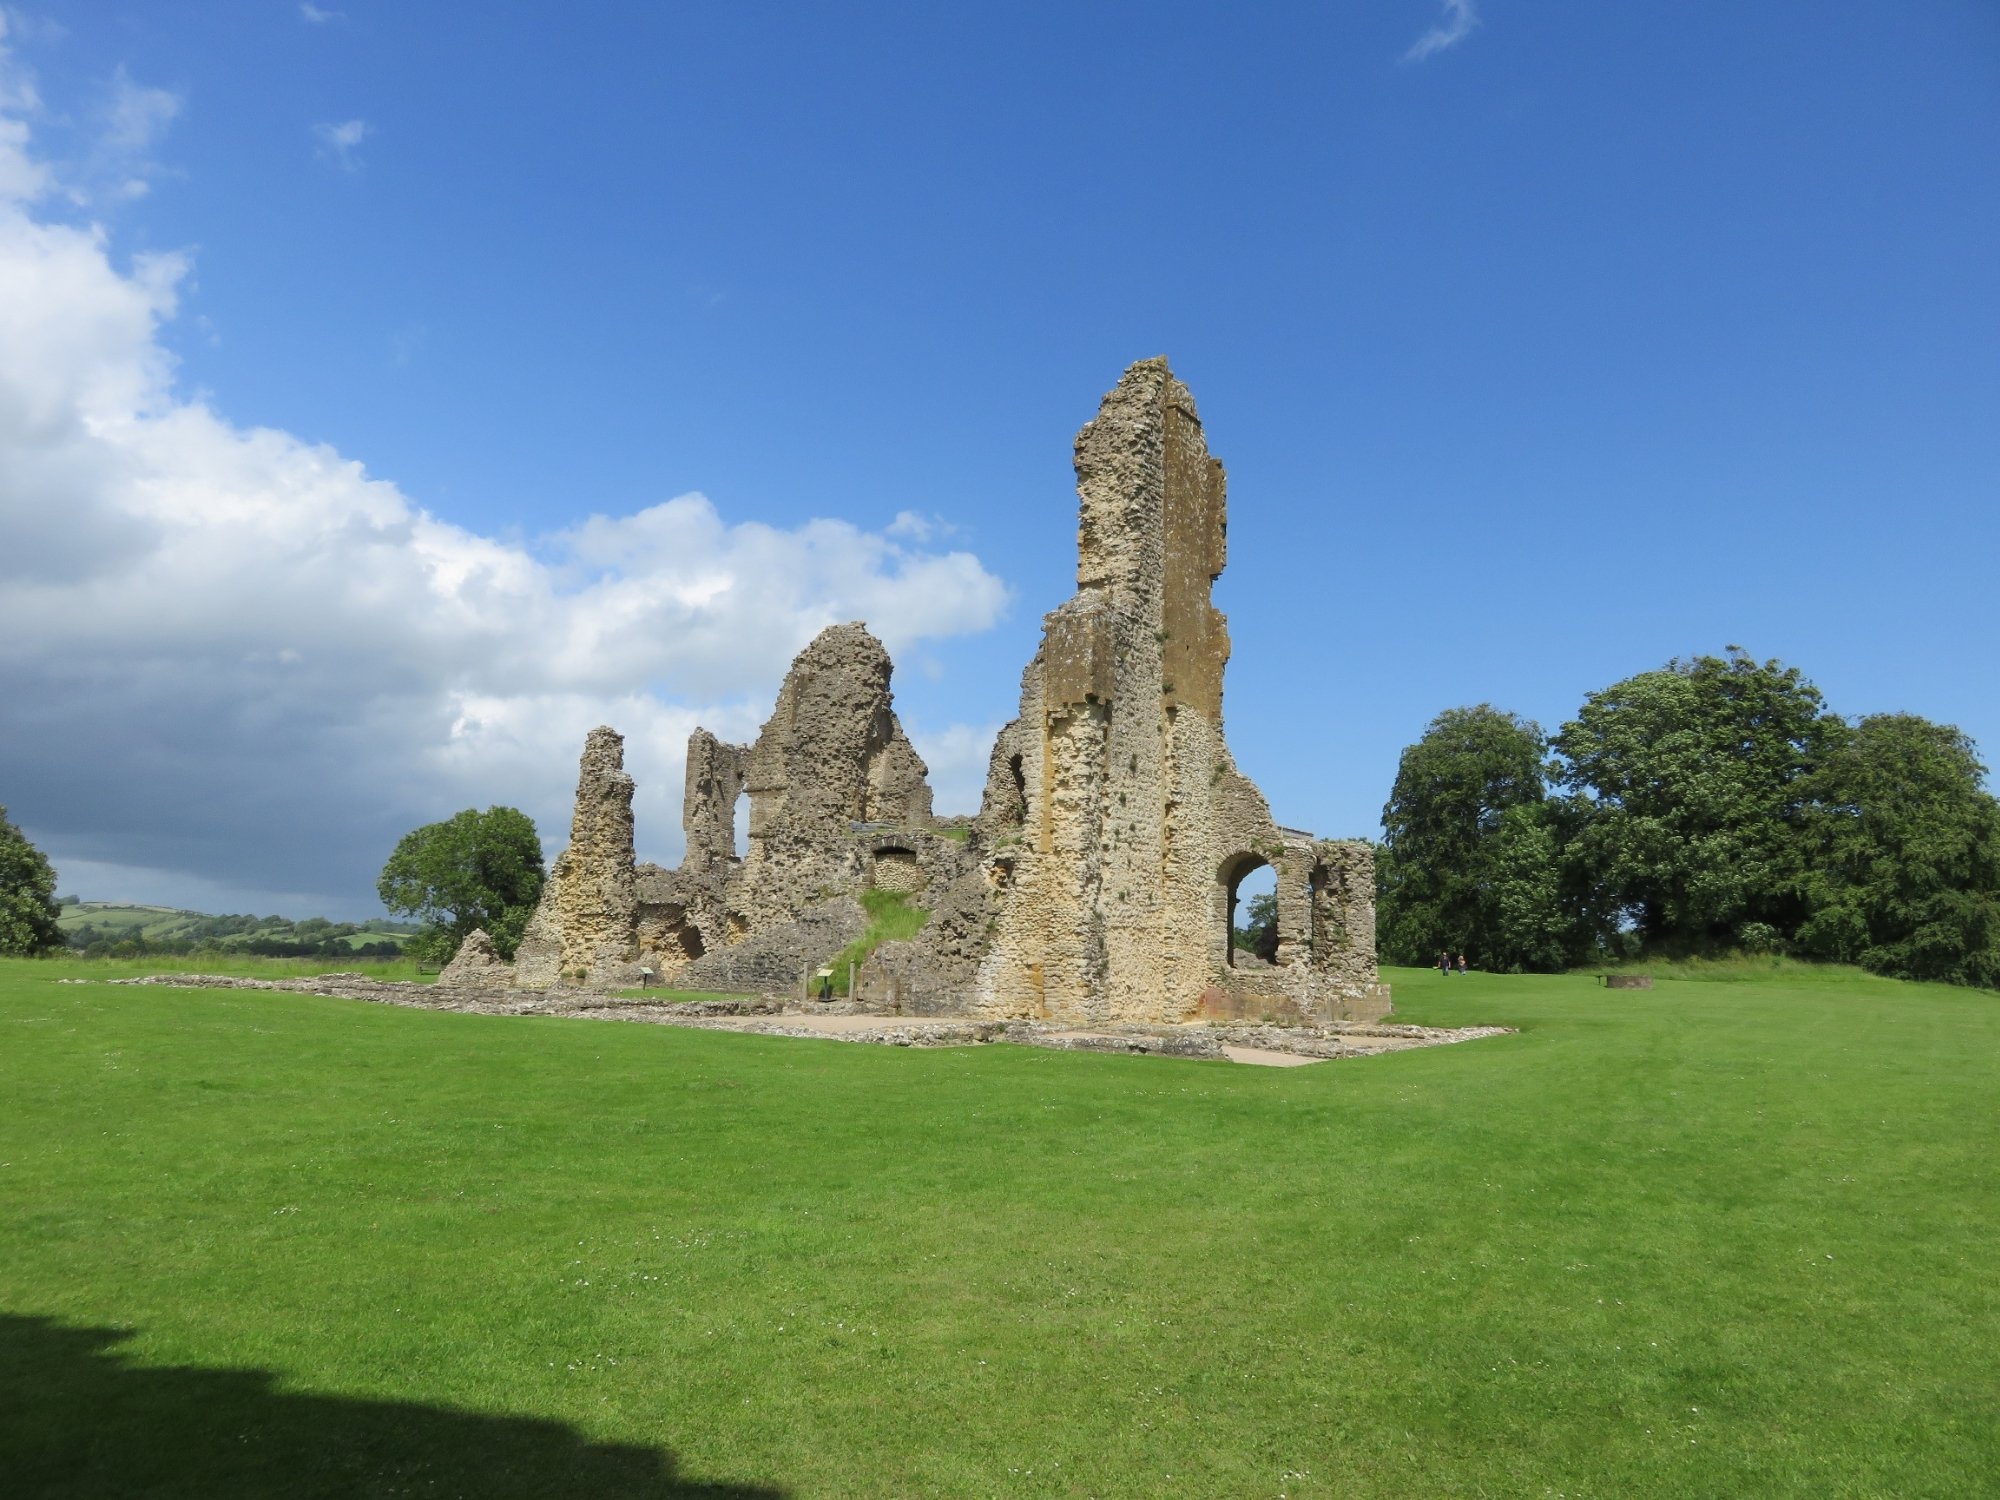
x=1570, y=340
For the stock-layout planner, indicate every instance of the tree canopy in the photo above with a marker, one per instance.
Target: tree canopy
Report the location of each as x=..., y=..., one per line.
x=28, y=908
x=1712, y=805
x=1695, y=778
x=1904, y=855
x=1257, y=930
x=475, y=869
x=1467, y=854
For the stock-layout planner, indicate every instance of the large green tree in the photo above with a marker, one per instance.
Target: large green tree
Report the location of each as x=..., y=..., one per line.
x=28, y=908
x=1469, y=852
x=475, y=869
x=1904, y=854
x=1692, y=787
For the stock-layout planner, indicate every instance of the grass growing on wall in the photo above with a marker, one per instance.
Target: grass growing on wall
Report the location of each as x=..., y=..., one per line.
x=1709, y=1239
x=891, y=918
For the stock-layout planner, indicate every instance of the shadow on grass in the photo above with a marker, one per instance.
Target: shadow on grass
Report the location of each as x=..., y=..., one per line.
x=76, y=1421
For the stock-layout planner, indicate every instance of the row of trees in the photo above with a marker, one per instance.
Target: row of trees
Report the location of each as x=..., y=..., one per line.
x=94, y=942
x=1714, y=805
x=183, y=933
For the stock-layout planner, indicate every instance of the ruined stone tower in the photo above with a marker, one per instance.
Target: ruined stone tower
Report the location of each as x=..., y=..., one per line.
x=1098, y=882
x=583, y=923
x=1118, y=823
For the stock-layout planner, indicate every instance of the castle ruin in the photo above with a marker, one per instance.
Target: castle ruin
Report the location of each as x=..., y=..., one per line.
x=1098, y=881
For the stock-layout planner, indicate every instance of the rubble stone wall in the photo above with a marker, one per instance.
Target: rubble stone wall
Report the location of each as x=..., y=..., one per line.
x=777, y=959
x=582, y=928
x=715, y=779
x=1096, y=883
x=1115, y=819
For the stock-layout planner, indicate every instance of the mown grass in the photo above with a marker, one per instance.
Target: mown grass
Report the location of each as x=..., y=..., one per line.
x=239, y=965
x=891, y=918
x=1705, y=1240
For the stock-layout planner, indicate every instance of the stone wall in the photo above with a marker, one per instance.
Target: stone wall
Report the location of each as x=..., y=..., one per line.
x=1098, y=880
x=776, y=959
x=1115, y=824
x=715, y=779
x=582, y=930
x=839, y=801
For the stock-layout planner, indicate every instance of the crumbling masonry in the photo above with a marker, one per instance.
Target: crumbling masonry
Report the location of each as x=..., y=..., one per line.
x=1098, y=882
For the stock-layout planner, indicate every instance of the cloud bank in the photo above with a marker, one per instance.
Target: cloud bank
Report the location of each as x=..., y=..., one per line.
x=233, y=663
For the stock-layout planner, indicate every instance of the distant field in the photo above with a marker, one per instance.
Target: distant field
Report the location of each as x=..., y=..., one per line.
x=1728, y=1237
x=166, y=924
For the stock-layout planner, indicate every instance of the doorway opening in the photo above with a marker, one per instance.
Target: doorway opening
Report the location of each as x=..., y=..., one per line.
x=1252, y=907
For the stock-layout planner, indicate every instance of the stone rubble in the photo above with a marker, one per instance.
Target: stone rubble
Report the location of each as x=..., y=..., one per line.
x=477, y=964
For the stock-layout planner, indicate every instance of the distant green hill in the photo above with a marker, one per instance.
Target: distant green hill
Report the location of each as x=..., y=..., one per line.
x=108, y=927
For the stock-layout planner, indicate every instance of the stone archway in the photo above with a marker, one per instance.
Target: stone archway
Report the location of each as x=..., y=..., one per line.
x=1230, y=876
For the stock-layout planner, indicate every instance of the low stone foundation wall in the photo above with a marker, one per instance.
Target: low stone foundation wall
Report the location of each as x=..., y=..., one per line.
x=774, y=1016
x=1287, y=997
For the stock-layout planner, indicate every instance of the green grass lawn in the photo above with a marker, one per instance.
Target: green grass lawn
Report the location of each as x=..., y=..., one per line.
x=1722, y=1238
x=241, y=965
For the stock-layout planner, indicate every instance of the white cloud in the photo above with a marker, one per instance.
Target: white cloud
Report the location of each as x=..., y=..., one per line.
x=229, y=655
x=315, y=15
x=956, y=757
x=137, y=116
x=130, y=120
x=918, y=527
x=340, y=143
x=118, y=130
x=1452, y=28
x=21, y=177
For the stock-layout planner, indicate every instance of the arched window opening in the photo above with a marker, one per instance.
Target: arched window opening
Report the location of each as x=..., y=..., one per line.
x=739, y=826
x=1253, y=912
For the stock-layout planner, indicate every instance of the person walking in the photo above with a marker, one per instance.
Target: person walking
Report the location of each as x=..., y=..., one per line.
x=1461, y=964
x=1444, y=963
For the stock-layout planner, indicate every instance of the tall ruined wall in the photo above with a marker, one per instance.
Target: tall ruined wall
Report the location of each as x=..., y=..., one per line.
x=715, y=778
x=1116, y=818
x=831, y=755
x=584, y=922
